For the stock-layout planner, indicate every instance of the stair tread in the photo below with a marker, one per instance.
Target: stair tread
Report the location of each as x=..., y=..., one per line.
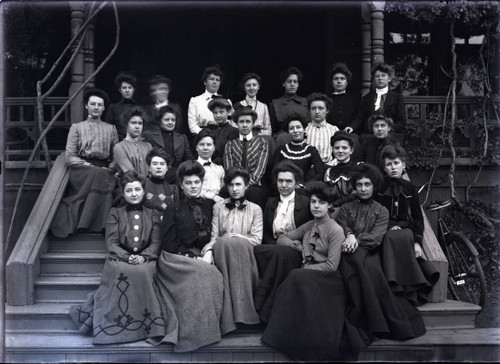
x=79, y=236
x=68, y=279
x=448, y=305
x=63, y=307
x=246, y=341
x=73, y=255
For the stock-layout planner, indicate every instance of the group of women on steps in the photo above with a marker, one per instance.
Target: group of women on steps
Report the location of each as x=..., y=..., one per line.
x=286, y=216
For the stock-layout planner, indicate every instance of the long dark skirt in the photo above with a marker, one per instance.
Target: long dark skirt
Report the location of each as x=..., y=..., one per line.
x=87, y=202
x=274, y=262
x=372, y=306
x=235, y=260
x=124, y=308
x=307, y=319
x=193, y=292
x=407, y=275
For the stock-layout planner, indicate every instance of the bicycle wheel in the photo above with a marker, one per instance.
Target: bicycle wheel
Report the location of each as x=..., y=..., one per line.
x=465, y=274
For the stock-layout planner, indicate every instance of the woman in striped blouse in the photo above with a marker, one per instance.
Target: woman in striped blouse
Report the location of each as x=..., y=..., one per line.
x=89, y=156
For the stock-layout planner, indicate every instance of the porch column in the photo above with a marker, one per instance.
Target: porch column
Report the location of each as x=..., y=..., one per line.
x=377, y=17
x=77, y=68
x=366, y=51
x=89, y=54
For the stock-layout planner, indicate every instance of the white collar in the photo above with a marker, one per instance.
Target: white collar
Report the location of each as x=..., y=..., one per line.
x=208, y=95
x=321, y=124
x=339, y=93
x=382, y=91
x=161, y=104
x=287, y=199
x=202, y=161
x=248, y=137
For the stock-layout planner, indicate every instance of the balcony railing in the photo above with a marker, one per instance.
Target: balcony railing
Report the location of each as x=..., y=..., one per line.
x=21, y=125
x=22, y=131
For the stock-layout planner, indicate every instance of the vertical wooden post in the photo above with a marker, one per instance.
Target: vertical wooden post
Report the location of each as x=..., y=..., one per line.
x=366, y=52
x=377, y=16
x=77, y=68
x=89, y=54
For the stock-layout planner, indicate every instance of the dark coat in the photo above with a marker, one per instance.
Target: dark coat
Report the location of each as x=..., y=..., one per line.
x=182, y=151
x=393, y=107
x=301, y=215
x=345, y=108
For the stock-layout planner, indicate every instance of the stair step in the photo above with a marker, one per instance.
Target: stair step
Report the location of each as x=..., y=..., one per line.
x=449, y=314
x=42, y=316
x=452, y=345
x=91, y=242
x=72, y=262
x=63, y=288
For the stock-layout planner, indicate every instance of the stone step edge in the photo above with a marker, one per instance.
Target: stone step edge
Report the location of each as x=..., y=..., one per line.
x=453, y=307
x=245, y=342
x=65, y=256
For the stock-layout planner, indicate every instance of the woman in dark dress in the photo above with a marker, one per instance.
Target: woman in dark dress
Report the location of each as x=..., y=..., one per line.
x=407, y=272
x=160, y=193
x=372, y=145
x=372, y=308
x=282, y=214
x=305, y=156
x=164, y=136
x=89, y=155
x=290, y=103
x=307, y=317
x=190, y=289
x=125, y=307
x=337, y=176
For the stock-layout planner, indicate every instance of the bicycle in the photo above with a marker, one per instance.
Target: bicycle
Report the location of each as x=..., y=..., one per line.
x=466, y=280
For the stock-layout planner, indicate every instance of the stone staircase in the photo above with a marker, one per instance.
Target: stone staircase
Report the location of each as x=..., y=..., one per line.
x=71, y=268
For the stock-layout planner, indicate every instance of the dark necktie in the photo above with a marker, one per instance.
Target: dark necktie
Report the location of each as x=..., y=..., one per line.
x=244, y=153
x=207, y=164
x=231, y=204
x=382, y=101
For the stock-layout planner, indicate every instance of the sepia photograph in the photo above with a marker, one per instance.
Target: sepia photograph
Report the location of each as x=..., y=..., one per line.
x=249, y=181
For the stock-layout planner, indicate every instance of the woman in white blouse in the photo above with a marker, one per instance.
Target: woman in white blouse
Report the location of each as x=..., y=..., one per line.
x=250, y=83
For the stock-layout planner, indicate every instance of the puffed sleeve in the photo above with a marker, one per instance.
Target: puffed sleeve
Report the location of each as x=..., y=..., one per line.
x=72, y=158
x=192, y=120
x=417, y=226
x=228, y=155
x=154, y=247
x=293, y=238
x=258, y=172
x=115, y=251
x=121, y=160
x=266, y=122
x=400, y=117
x=257, y=226
x=373, y=238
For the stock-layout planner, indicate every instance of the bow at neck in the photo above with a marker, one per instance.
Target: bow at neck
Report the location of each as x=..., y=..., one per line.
x=288, y=99
x=231, y=204
x=394, y=187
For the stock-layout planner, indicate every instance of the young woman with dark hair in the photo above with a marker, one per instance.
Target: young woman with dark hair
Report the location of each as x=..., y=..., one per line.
x=407, y=272
x=133, y=243
x=89, y=155
x=190, y=289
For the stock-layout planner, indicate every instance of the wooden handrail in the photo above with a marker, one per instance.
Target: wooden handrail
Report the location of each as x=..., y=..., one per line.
x=23, y=264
